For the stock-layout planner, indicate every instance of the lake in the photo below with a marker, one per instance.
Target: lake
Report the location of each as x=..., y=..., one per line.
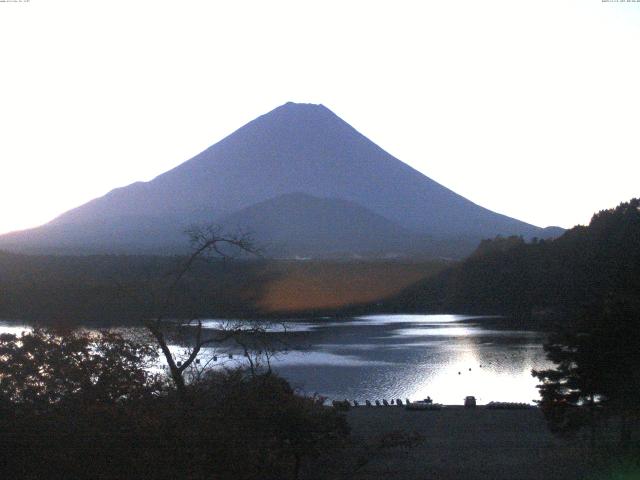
x=446, y=357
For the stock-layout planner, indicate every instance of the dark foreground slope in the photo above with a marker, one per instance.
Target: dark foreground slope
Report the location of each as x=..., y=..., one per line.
x=475, y=444
x=296, y=148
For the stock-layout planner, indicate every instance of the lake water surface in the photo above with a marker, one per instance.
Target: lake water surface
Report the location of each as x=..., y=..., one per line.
x=401, y=356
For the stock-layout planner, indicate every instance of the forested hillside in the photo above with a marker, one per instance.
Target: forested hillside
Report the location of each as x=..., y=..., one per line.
x=114, y=289
x=542, y=278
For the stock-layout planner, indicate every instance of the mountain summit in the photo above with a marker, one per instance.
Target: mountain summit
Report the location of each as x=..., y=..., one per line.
x=300, y=149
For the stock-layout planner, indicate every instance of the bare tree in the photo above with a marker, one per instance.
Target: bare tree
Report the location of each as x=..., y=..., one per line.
x=204, y=241
x=251, y=336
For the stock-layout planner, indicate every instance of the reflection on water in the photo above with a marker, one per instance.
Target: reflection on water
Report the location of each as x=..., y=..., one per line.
x=451, y=331
x=397, y=356
x=415, y=318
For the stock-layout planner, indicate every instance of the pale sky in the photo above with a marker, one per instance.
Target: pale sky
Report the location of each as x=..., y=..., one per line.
x=529, y=108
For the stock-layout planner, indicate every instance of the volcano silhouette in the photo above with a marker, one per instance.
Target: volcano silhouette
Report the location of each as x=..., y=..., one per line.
x=302, y=179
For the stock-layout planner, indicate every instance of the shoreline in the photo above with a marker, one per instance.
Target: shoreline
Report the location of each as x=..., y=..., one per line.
x=450, y=407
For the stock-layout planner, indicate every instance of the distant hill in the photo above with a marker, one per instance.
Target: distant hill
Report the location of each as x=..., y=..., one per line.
x=303, y=179
x=300, y=225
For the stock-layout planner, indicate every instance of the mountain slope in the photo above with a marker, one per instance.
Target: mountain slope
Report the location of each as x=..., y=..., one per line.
x=294, y=148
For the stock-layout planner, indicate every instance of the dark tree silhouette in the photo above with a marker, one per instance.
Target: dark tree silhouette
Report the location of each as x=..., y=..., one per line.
x=79, y=404
x=249, y=334
x=44, y=368
x=597, y=372
x=597, y=352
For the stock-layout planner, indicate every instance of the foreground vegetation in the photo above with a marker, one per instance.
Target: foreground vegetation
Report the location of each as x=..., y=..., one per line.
x=85, y=405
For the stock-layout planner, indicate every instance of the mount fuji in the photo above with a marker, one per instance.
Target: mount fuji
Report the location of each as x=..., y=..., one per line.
x=302, y=180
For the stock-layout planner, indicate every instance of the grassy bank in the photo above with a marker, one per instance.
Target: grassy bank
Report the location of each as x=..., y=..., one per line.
x=470, y=444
